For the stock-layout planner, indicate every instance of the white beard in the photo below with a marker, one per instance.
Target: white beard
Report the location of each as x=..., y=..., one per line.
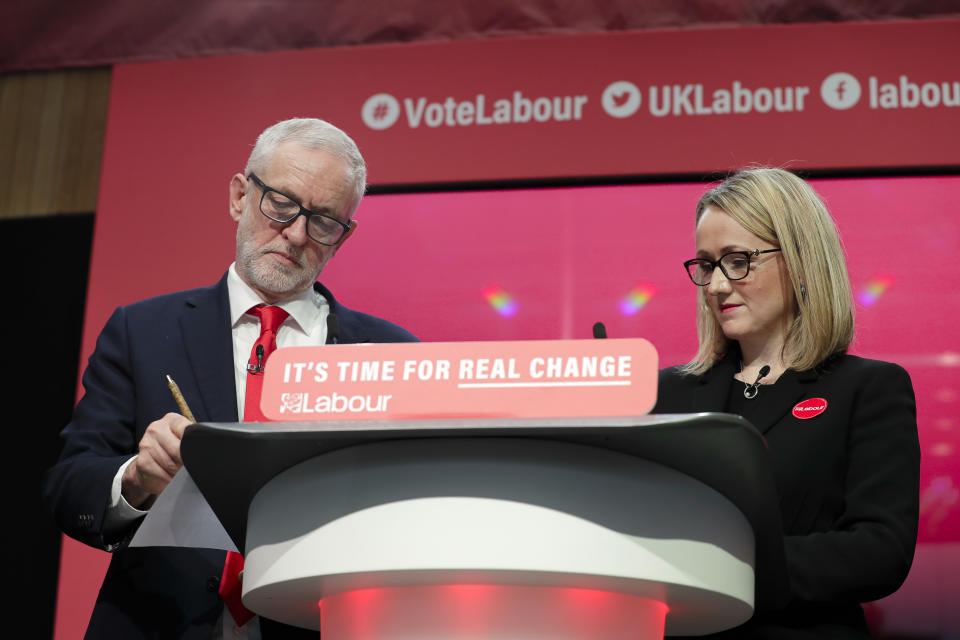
x=267, y=275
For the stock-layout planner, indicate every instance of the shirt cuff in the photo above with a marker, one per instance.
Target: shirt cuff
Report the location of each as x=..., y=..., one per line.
x=119, y=512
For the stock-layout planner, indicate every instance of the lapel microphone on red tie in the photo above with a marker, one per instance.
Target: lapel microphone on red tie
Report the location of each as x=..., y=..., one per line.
x=256, y=368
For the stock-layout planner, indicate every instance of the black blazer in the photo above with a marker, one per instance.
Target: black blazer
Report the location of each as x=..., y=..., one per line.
x=848, y=481
x=157, y=592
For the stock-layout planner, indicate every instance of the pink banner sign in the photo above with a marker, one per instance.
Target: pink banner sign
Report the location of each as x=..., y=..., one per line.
x=521, y=379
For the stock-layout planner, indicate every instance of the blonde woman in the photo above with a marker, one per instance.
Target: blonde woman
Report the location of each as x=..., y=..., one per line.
x=774, y=320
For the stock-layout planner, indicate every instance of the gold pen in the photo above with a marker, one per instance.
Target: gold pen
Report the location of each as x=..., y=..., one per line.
x=178, y=397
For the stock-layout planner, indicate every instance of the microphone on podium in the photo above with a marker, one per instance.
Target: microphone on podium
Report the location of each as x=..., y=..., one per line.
x=333, y=328
x=599, y=331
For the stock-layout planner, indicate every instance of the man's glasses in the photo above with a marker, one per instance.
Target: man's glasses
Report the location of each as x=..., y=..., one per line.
x=284, y=209
x=735, y=266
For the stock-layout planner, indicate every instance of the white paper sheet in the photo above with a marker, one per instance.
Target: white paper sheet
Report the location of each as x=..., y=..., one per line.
x=181, y=517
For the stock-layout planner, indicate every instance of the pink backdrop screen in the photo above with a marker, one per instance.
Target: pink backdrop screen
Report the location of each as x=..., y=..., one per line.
x=548, y=263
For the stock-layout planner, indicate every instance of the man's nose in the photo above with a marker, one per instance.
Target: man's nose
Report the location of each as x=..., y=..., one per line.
x=296, y=231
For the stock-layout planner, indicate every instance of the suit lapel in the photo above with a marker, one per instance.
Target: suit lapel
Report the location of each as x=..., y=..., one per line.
x=208, y=341
x=207, y=337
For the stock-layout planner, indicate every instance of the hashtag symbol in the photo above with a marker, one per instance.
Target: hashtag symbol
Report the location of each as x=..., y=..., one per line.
x=380, y=111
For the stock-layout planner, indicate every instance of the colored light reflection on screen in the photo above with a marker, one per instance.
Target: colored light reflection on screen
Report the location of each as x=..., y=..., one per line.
x=942, y=449
x=937, y=501
x=637, y=298
x=502, y=302
x=949, y=359
x=875, y=287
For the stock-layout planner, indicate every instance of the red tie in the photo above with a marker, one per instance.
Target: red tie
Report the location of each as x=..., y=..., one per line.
x=270, y=320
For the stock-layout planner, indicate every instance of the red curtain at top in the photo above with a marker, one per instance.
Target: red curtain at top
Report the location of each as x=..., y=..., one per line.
x=52, y=34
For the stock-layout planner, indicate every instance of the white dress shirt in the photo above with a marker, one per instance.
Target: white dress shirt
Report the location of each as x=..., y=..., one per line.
x=306, y=326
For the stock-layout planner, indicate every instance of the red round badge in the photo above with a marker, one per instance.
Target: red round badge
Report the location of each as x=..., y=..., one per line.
x=809, y=408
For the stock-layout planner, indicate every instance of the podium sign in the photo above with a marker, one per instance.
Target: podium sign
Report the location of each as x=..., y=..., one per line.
x=520, y=379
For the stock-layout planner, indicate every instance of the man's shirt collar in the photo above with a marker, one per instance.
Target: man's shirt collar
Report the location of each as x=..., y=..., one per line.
x=306, y=309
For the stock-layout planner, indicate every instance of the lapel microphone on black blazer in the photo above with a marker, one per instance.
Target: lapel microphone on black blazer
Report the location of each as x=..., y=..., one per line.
x=752, y=389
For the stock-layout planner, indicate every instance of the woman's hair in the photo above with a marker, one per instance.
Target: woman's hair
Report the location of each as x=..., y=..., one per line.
x=311, y=133
x=784, y=210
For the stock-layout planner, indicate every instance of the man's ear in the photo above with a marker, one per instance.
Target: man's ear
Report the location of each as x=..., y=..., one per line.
x=239, y=186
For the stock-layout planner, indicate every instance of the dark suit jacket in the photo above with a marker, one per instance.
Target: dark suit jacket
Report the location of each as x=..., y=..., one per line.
x=157, y=592
x=848, y=481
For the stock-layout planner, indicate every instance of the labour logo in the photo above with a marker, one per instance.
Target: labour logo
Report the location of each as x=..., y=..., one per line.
x=840, y=91
x=292, y=402
x=809, y=408
x=380, y=111
x=621, y=99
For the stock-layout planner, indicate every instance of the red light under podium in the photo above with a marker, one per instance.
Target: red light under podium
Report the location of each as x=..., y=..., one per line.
x=490, y=611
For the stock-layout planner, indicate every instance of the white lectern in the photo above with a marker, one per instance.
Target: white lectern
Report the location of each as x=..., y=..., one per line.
x=561, y=529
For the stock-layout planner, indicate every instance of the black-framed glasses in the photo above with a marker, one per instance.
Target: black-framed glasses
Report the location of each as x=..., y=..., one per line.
x=735, y=266
x=281, y=208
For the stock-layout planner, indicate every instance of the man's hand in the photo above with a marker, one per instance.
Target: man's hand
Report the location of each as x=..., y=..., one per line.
x=157, y=462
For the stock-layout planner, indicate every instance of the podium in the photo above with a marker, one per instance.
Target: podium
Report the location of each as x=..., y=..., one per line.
x=566, y=529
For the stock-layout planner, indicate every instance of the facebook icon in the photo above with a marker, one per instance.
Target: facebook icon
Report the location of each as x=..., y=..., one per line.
x=840, y=91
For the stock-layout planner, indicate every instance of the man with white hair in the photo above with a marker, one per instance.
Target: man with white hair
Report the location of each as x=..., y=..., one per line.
x=294, y=207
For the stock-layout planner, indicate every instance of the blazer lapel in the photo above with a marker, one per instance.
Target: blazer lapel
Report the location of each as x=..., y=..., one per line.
x=207, y=338
x=712, y=389
x=714, y=385
x=789, y=389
